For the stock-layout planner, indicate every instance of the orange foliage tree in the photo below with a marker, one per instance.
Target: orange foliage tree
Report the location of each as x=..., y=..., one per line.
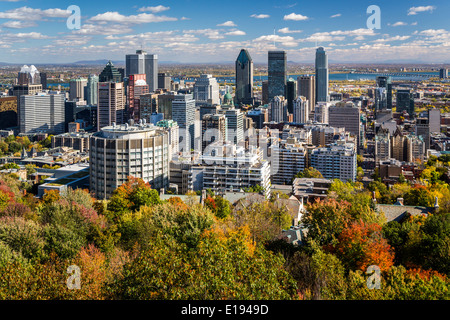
x=361, y=245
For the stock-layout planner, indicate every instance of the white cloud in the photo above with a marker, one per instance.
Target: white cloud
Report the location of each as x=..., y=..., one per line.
x=399, y=24
x=236, y=33
x=395, y=38
x=295, y=17
x=212, y=34
x=227, y=24
x=133, y=19
x=105, y=29
x=30, y=14
x=414, y=10
x=155, y=9
x=287, y=41
x=336, y=15
x=17, y=24
x=287, y=30
x=260, y=16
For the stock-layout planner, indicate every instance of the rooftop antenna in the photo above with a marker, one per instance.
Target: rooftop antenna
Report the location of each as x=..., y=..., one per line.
x=274, y=38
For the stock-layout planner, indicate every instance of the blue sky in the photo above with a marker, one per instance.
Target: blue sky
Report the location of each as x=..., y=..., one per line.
x=199, y=31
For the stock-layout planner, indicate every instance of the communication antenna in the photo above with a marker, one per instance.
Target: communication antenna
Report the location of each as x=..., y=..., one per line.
x=274, y=38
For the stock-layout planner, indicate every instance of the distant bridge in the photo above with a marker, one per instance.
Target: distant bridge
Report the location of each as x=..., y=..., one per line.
x=402, y=74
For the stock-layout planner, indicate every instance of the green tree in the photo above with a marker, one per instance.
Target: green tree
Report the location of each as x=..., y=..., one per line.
x=309, y=173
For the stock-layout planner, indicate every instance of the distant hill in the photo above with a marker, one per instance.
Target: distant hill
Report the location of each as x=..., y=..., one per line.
x=97, y=62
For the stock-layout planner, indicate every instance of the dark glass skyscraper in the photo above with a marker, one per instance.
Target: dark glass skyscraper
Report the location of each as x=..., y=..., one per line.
x=277, y=73
x=291, y=94
x=110, y=74
x=244, y=79
x=405, y=101
x=383, y=93
x=321, y=76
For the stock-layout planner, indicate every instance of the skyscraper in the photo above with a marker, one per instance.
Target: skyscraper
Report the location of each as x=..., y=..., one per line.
x=301, y=110
x=278, y=109
x=28, y=75
x=183, y=112
x=164, y=81
x=306, y=87
x=142, y=62
x=206, y=90
x=92, y=90
x=235, y=123
x=443, y=73
x=383, y=93
x=110, y=74
x=277, y=66
x=321, y=76
x=291, y=94
x=244, y=79
x=111, y=104
x=214, y=128
x=405, y=101
x=137, y=86
x=76, y=92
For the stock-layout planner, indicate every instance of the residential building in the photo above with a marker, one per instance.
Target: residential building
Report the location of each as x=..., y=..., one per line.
x=288, y=159
x=76, y=140
x=214, y=129
x=301, y=110
x=232, y=168
x=111, y=104
x=206, y=90
x=183, y=112
x=423, y=130
x=434, y=120
x=337, y=161
x=346, y=115
x=173, y=130
x=321, y=112
x=235, y=123
x=120, y=151
x=278, y=109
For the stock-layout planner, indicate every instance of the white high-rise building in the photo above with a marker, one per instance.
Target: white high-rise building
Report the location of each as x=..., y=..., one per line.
x=337, y=161
x=42, y=112
x=206, y=90
x=232, y=168
x=301, y=110
x=92, y=90
x=288, y=159
x=278, y=109
x=118, y=152
x=235, y=123
x=143, y=63
x=321, y=112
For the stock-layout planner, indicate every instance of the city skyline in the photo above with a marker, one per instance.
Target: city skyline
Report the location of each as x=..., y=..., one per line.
x=36, y=31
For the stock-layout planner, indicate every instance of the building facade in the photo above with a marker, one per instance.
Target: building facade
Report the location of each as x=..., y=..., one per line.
x=142, y=62
x=322, y=76
x=118, y=152
x=244, y=79
x=277, y=66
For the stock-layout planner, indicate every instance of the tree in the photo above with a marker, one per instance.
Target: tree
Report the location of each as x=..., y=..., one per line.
x=240, y=270
x=130, y=196
x=325, y=220
x=309, y=173
x=220, y=206
x=361, y=245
